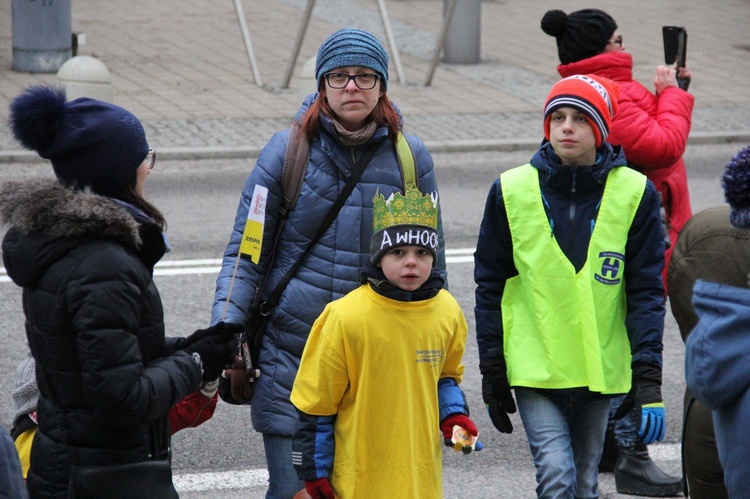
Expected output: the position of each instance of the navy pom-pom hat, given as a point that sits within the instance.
(736, 184)
(351, 47)
(90, 143)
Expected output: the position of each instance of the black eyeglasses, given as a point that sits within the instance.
(364, 81)
(617, 41)
(150, 159)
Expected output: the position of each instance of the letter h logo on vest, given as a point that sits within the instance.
(611, 267)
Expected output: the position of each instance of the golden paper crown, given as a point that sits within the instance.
(413, 208)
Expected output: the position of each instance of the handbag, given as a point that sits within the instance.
(144, 480)
(261, 308)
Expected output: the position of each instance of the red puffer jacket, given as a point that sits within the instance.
(652, 129)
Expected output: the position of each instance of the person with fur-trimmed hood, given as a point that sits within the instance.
(83, 245)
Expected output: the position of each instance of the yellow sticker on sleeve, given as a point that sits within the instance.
(252, 237)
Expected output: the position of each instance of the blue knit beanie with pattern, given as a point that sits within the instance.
(351, 47)
(736, 184)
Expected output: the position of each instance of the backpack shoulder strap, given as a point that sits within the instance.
(296, 157)
(406, 162)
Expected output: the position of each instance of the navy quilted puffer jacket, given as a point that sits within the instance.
(329, 271)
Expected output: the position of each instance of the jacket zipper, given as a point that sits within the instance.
(572, 209)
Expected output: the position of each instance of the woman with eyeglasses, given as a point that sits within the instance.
(652, 129)
(83, 246)
(348, 118)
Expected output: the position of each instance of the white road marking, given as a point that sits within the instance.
(197, 482)
(201, 482)
(212, 266)
(665, 452)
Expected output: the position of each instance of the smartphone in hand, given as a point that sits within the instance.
(675, 50)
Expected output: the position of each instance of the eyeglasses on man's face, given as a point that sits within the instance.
(150, 159)
(364, 81)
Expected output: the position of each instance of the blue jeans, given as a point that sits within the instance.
(625, 430)
(282, 479)
(566, 431)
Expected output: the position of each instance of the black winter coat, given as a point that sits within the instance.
(95, 326)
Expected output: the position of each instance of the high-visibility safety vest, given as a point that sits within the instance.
(564, 329)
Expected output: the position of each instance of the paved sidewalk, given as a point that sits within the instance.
(181, 67)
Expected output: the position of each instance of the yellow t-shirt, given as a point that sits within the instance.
(375, 363)
(23, 446)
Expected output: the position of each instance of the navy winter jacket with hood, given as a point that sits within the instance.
(329, 271)
(571, 198)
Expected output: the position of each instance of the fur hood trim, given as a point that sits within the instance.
(45, 206)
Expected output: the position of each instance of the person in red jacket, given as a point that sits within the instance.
(652, 128)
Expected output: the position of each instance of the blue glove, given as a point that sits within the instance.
(646, 401)
(653, 426)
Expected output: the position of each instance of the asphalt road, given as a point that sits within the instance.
(224, 457)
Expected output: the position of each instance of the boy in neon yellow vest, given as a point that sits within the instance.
(378, 379)
(569, 298)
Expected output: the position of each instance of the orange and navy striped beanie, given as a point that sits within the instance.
(595, 96)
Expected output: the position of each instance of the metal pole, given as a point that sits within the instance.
(248, 44)
(392, 42)
(463, 37)
(297, 44)
(440, 43)
(42, 38)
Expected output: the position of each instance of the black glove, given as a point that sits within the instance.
(646, 389)
(216, 346)
(183, 343)
(220, 328)
(496, 394)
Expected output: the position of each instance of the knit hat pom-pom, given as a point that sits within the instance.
(736, 184)
(36, 115)
(90, 143)
(554, 22)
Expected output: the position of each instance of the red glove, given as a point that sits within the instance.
(320, 488)
(461, 420)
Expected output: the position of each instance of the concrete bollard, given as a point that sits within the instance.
(86, 76)
(462, 38)
(306, 83)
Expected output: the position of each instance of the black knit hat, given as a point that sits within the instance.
(89, 143)
(581, 34)
(736, 184)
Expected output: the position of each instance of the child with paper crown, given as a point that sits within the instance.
(380, 371)
(569, 298)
